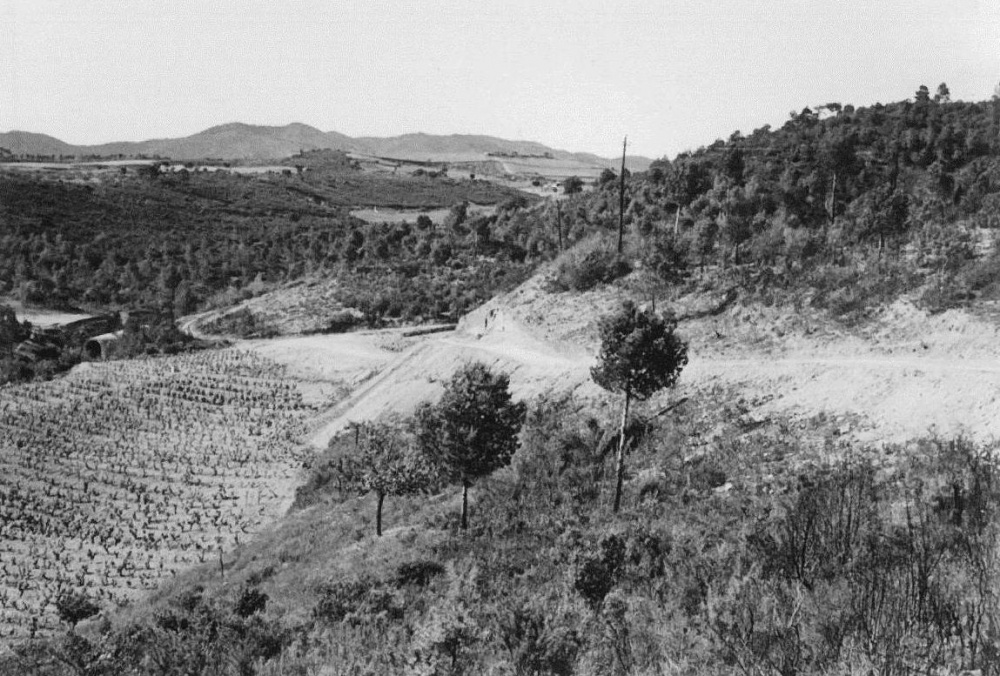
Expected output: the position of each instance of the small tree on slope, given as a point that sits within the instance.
(640, 355)
(472, 431)
(385, 464)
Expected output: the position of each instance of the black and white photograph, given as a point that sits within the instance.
(524, 338)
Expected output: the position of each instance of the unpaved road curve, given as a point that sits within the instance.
(420, 372)
(898, 396)
(190, 325)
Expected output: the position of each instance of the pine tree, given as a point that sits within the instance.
(640, 355)
(472, 431)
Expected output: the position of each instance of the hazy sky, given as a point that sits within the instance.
(576, 75)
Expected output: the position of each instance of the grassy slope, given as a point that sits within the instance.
(706, 477)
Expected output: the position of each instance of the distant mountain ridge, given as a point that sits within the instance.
(239, 141)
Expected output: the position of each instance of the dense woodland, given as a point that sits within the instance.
(843, 208)
(175, 239)
(741, 545)
(847, 207)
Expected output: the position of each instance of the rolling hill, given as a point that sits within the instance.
(28, 143)
(238, 141)
(233, 141)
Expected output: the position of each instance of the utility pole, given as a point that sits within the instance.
(559, 225)
(677, 218)
(621, 200)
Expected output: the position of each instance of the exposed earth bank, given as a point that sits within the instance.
(901, 375)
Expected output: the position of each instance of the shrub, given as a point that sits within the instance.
(539, 643)
(944, 294)
(419, 572)
(242, 323)
(448, 641)
(596, 267)
(704, 474)
(850, 292)
(340, 598)
(667, 257)
(251, 601)
(358, 601)
(343, 320)
(983, 275)
(598, 574)
(572, 184)
(75, 607)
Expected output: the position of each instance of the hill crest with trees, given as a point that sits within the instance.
(844, 205)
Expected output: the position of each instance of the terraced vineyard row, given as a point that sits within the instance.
(119, 474)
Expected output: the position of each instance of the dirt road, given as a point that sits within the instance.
(896, 396)
(913, 375)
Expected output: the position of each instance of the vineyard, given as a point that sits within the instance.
(120, 474)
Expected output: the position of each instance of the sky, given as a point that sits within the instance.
(576, 75)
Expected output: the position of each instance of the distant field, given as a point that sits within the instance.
(383, 181)
(41, 316)
(550, 168)
(387, 215)
(96, 164)
(258, 169)
(506, 170)
(119, 474)
(115, 164)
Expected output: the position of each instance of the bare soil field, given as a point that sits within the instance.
(387, 215)
(61, 166)
(41, 316)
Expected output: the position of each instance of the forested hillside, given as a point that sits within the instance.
(176, 239)
(849, 204)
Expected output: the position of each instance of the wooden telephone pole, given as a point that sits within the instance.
(559, 225)
(621, 200)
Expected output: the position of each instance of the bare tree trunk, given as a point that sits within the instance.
(831, 211)
(378, 515)
(620, 471)
(559, 225)
(621, 201)
(465, 504)
(677, 220)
